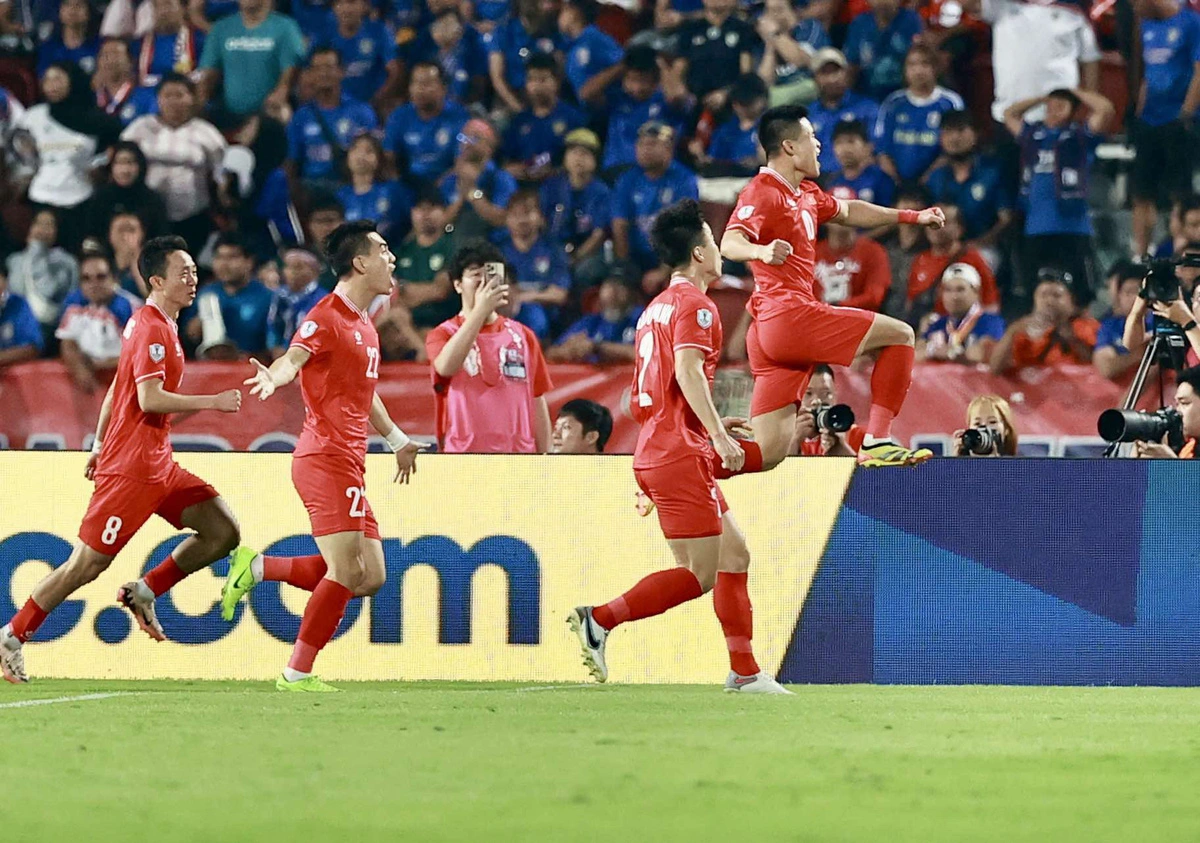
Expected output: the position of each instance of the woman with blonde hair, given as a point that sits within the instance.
(991, 413)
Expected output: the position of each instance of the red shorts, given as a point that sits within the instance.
(120, 505)
(335, 495)
(687, 499)
(784, 347)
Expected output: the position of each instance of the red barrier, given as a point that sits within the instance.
(39, 399)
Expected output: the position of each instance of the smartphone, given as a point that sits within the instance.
(493, 269)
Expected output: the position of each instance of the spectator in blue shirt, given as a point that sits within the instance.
(255, 53)
(367, 50)
(907, 131)
(876, 44)
(577, 207)
(965, 334)
(421, 135)
(294, 298)
(458, 49)
(835, 103)
(369, 196)
(116, 87)
(605, 336)
(1167, 103)
(173, 44)
(655, 182)
(1056, 163)
(1110, 356)
(229, 318)
(592, 57)
(533, 142)
(530, 30)
(74, 40)
(20, 334)
(322, 129)
(733, 149)
(974, 183)
(790, 44)
(94, 316)
(476, 190)
(540, 271)
(857, 168)
(639, 99)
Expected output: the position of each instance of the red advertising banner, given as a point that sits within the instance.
(41, 407)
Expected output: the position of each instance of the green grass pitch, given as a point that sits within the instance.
(237, 761)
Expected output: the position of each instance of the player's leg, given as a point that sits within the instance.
(731, 601)
(248, 567)
(890, 381)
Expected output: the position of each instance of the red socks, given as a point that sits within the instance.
(652, 596)
(164, 577)
(732, 604)
(889, 384)
(300, 571)
(321, 618)
(752, 465)
(26, 621)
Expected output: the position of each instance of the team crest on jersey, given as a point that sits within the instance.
(436, 262)
(977, 192)
(542, 265)
(934, 119)
(704, 318)
(308, 329)
(357, 338)
(745, 211)
(157, 352)
(442, 137)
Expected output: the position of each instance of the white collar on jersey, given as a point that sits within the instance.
(775, 173)
(170, 321)
(679, 279)
(351, 305)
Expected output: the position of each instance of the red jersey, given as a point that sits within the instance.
(138, 444)
(768, 209)
(927, 269)
(338, 381)
(860, 277)
(679, 317)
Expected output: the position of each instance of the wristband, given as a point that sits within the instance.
(1189, 325)
(909, 217)
(96, 443)
(396, 439)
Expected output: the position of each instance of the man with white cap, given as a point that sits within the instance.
(966, 333)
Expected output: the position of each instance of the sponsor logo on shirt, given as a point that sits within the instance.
(249, 44)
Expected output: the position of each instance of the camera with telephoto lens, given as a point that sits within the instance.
(980, 440)
(1138, 426)
(1161, 284)
(835, 418)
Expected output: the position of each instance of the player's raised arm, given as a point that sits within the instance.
(283, 371)
(404, 448)
(693, 383)
(735, 246)
(860, 214)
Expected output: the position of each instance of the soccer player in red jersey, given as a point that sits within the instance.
(335, 352)
(678, 343)
(132, 467)
(774, 228)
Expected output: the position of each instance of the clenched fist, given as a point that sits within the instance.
(776, 253)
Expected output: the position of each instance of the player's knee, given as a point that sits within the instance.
(369, 583)
(906, 334)
(736, 560)
(224, 536)
(87, 568)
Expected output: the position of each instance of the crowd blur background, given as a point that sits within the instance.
(1057, 137)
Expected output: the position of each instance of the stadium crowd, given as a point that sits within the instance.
(557, 129)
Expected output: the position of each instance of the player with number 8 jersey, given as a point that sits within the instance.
(335, 353)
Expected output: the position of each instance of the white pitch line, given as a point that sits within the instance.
(76, 698)
(554, 687)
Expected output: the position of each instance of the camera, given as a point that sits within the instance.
(1160, 283)
(980, 440)
(1138, 426)
(835, 418)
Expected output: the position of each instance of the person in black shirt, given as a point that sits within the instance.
(717, 48)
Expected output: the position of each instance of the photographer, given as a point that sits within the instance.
(1177, 311)
(808, 440)
(991, 430)
(1187, 402)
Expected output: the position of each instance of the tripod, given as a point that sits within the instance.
(1168, 347)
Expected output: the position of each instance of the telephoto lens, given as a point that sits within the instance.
(1136, 426)
(833, 419)
(979, 440)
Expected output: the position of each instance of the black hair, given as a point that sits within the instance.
(322, 50)
(428, 194)
(323, 200)
(957, 119)
(779, 124)
(747, 89)
(1189, 376)
(590, 9)
(852, 129)
(441, 74)
(347, 242)
(592, 417)
(96, 252)
(678, 230)
(475, 252)
(1188, 204)
(642, 59)
(823, 369)
(231, 240)
(542, 61)
(174, 77)
(1126, 270)
(1066, 94)
(155, 252)
(916, 193)
(525, 194)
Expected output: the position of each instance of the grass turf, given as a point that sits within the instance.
(235, 761)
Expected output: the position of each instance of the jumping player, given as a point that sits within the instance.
(774, 228)
(132, 467)
(678, 342)
(335, 352)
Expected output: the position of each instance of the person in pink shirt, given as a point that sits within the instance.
(489, 376)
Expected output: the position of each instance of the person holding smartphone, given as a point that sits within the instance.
(489, 375)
